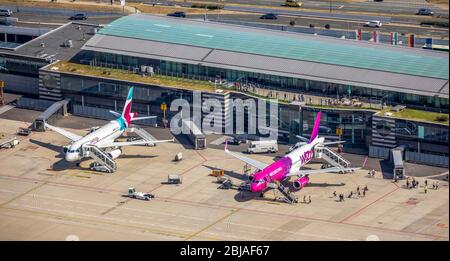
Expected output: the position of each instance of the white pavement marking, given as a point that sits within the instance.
(6, 108)
(219, 141)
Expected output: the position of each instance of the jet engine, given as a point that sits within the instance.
(115, 153)
(301, 182)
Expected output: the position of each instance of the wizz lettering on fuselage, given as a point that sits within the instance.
(307, 156)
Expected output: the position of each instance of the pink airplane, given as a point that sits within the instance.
(289, 165)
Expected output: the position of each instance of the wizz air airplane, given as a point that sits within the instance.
(104, 137)
(289, 165)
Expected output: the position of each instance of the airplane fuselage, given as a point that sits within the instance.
(279, 170)
(106, 133)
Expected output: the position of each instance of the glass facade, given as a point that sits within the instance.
(195, 71)
(356, 125)
(19, 66)
(292, 119)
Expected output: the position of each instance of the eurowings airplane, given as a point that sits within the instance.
(104, 137)
(289, 165)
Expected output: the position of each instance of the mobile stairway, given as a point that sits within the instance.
(288, 196)
(331, 157)
(100, 157)
(145, 135)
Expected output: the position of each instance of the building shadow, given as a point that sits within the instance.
(387, 168)
(184, 141)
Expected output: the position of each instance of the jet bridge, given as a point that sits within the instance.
(59, 107)
(397, 159)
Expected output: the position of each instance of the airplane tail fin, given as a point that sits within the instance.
(315, 131)
(127, 115)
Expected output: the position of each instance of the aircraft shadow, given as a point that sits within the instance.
(62, 164)
(139, 156)
(243, 196)
(49, 146)
(228, 173)
(326, 184)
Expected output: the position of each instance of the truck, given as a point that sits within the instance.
(262, 146)
(132, 193)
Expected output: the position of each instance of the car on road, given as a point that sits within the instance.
(270, 16)
(374, 23)
(178, 14)
(5, 12)
(293, 3)
(424, 11)
(79, 16)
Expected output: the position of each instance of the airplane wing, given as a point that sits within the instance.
(316, 171)
(143, 118)
(257, 164)
(130, 143)
(71, 136)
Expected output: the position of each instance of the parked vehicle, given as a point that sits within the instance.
(263, 146)
(424, 11)
(269, 16)
(374, 23)
(177, 14)
(79, 16)
(5, 12)
(235, 140)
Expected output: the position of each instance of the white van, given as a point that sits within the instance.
(5, 12)
(263, 146)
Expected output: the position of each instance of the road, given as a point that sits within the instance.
(334, 24)
(28, 19)
(387, 6)
(48, 20)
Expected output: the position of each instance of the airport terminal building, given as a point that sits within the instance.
(276, 60)
(303, 72)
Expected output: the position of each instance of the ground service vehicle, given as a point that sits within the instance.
(263, 146)
(132, 193)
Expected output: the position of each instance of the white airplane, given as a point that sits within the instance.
(104, 137)
(289, 165)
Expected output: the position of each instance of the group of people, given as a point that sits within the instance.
(359, 192)
(415, 184)
(306, 201)
(371, 173)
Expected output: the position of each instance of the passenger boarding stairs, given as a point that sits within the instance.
(144, 135)
(100, 156)
(332, 157)
(288, 196)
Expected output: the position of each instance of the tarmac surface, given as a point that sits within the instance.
(42, 197)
